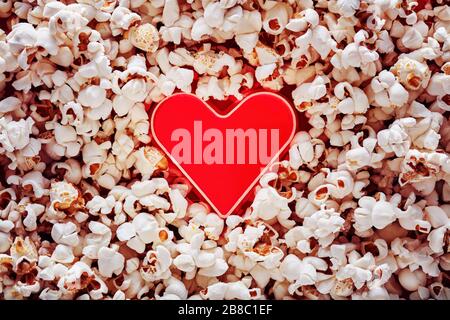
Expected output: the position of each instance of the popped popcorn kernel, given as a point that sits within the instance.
(358, 208)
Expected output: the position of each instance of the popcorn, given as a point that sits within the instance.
(375, 213)
(305, 18)
(396, 139)
(145, 37)
(210, 262)
(92, 96)
(80, 277)
(65, 233)
(99, 237)
(201, 219)
(301, 272)
(387, 91)
(9, 104)
(411, 281)
(304, 94)
(229, 291)
(353, 100)
(439, 82)
(64, 197)
(149, 159)
(423, 167)
(411, 73)
(66, 139)
(214, 14)
(436, 239)
(156, 265)
(122, 19)
(358, 269)
(268, 204)
(15, 135)
(361, 156)
(109, 262)
(91, 209)
(175, 290)
(347, 8)
(356, 54)
(324, 224)
(32, 212)
(62, 254)
(276, 18)
(138, 233)
(408, 254)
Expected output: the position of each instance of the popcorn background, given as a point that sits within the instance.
(90, 209)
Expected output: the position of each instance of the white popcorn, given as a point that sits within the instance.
(387, 91)
(375, 213)
(156, 264)
(109, 262)
(122, 19)
(202, 220)
(148, 159)
(63, 254)
(305, 151)
(65, 233)
(214, 14)
(15, 135)
(229, 291)
(413, 219)
(356, 210)
(353, 100)
(396, 139)
(141, 231)
(175, 290)
(411, 73)
(358, 269)
(21, 37)
(439, 82)
(304, 94)
(276, 18)
(436, 239)
(411, 280)
(268, 204)
(298, 237)
(92, 96)
(324, 224)
(301, 272)
(68, 143)
(210, 261)
(145, 37)
(33, 211)
(9, 104)
(72, 281)
(347, 8)
(422, 167)
(200, 29)
(436, 216)
(361, 156)
(356, 55)
(413, 257)
(63, 197)
(303, 20)
(99, 238)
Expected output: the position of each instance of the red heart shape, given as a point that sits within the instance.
(223, 155)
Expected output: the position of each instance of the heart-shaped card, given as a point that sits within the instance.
(223, 155)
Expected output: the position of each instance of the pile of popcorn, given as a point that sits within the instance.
(91, 209)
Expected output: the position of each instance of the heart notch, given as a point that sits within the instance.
(223, 155)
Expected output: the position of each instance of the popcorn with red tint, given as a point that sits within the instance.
(91, 208)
